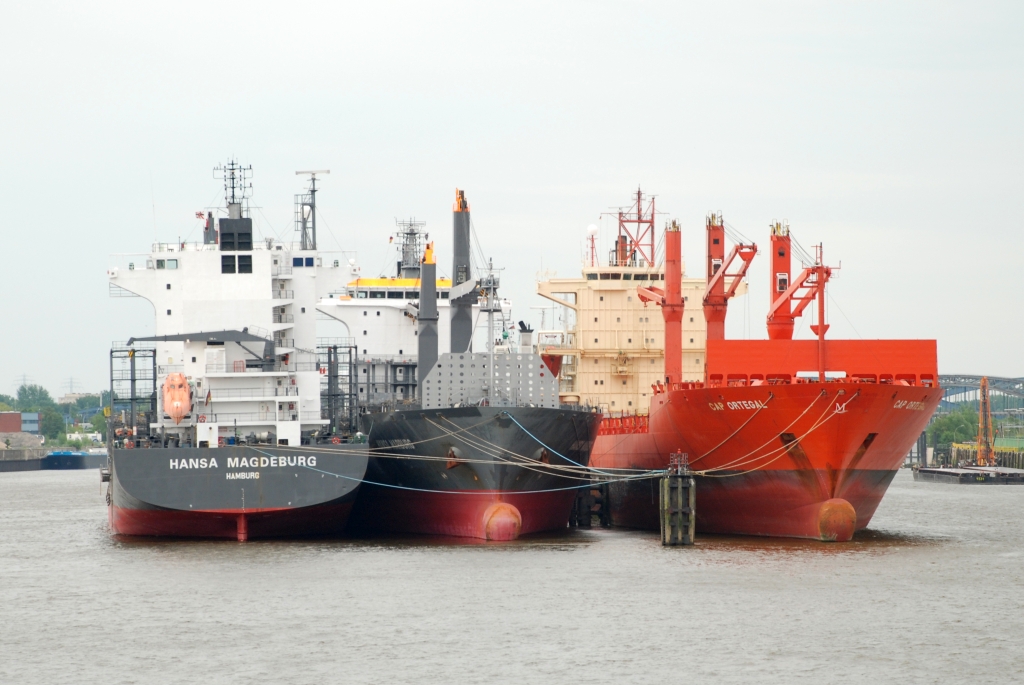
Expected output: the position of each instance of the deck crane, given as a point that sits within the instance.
(717, 295)
(790, 298)
(986, 456)
(670, 300)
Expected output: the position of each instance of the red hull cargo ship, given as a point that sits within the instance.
(794, 438)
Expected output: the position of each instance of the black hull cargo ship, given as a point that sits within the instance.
(234, 492)
(485, 472)
(215, 426)
(489, 453)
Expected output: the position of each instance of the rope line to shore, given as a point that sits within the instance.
(576, 465)
(783, 450)
(550, 449)
(650, 474)
(375, 452)
(496, 452)
(778, 451)
(770, 440)
(750, 418)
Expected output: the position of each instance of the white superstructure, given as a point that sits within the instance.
(267, 290)
(380, 314)
(380, 317)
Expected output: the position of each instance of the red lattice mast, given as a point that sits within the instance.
(635, 244)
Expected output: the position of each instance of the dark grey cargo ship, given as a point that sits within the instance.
(234, 492)
(476, 471)
(215, 426)
(489, 453)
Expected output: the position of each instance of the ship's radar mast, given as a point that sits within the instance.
(305, 211)
(592, 246)
(634, 245)
(411, 238)
(236, 190)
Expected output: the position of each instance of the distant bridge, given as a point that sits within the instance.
(959, 388)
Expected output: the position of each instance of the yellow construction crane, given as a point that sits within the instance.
(986, 455)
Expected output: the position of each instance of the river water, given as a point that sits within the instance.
(933, 593)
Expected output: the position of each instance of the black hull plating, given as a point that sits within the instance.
(446, 471)
(234, 491)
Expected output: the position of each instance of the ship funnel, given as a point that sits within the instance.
(209, 232)
(525, 338)
(462, 305)
(427, 318)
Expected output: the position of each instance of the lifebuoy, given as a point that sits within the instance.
(336, 440)
(220, 442)
(202, 418)
(129, 445)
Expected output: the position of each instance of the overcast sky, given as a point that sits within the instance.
(891, 132)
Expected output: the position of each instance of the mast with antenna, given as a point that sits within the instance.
(634, 245)
(411, 237)
(305, 210)
(489, 287)
(591, 247)
(236, 190)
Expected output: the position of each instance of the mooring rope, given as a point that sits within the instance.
(769, 441)
(783, 450)
(650, 474)
(494, 446)
(526, 463)
(750, 418)
(551, 449)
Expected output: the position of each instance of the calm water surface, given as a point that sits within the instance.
(934, 592)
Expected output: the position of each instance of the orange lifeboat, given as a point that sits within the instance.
(177, 397)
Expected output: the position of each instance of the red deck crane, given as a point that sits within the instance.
(716, 298)
(790, 299)
(671, 301)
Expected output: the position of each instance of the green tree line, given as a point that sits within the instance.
(53, 417)
(960, 425)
